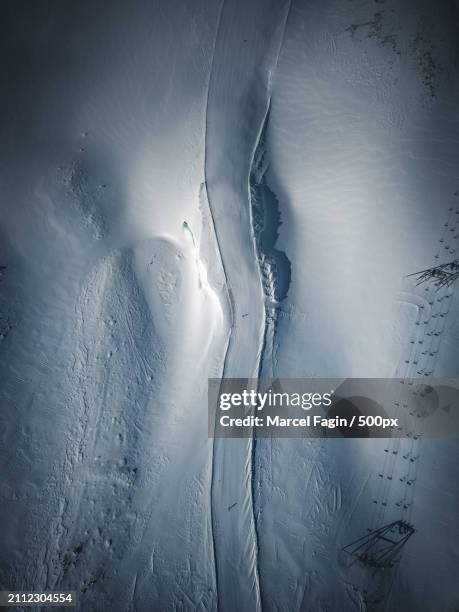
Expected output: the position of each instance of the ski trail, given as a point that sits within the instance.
(234, 536)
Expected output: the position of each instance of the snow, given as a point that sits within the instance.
(144, 147)
(363, 198)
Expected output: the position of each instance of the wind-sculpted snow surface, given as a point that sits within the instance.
(204, 189)
(363, 158)
(113, 305)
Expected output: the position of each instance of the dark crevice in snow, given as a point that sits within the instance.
(274, 265)
(275, 275)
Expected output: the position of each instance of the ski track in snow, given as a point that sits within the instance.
(133, 267)
(225, 599)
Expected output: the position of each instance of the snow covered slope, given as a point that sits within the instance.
(111, 302)
(192, 189)
(363, 149)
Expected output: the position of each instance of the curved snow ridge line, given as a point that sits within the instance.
(216, 310)
(253, 171)
(229, 300)
(269, 323)
(261, 353)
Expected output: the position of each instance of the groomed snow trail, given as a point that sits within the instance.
(246, 52)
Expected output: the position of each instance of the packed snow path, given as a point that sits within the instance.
(131, 271)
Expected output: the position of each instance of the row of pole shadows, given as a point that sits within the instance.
(381, 547)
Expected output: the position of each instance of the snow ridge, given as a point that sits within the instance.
(275, 272)
(205, 194)
(274, 268)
